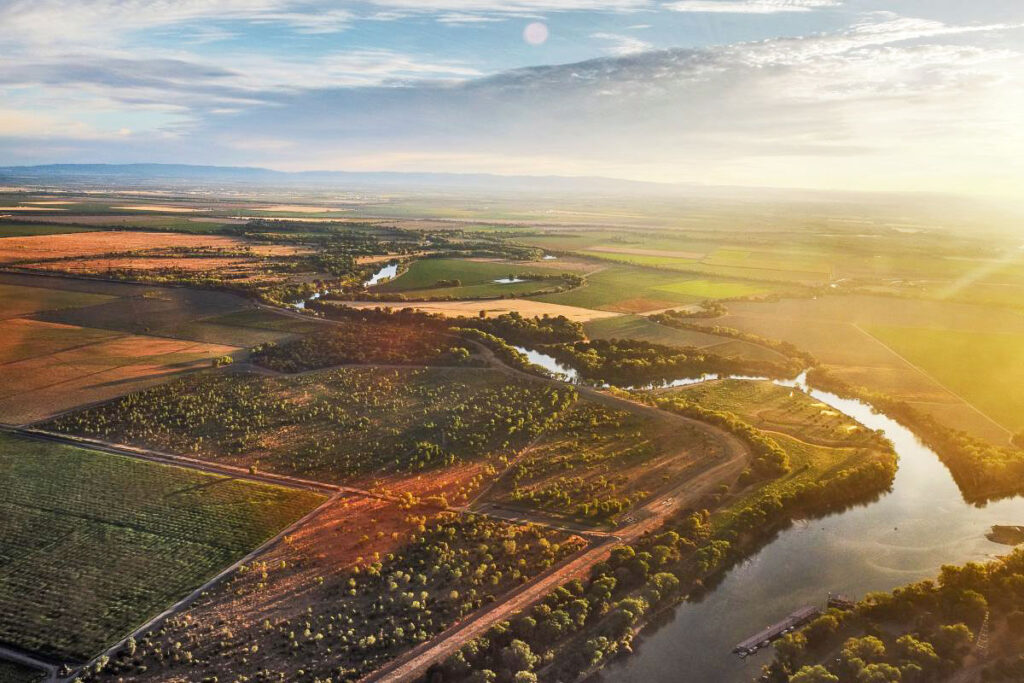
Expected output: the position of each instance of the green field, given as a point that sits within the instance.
(17, 300)
(645, 329)
(477, 278)
(16, 673)
(712, 289)
(33, 229)
(93, 544)
(633, 290)
(985, 368)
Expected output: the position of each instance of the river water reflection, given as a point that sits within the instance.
(906, 536)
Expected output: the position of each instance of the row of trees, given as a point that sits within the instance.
(628, 362)
(982, 470)
(683, 320)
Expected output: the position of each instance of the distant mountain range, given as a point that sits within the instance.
(149, 174)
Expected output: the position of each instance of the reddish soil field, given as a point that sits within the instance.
(84, 244)
(40, 387)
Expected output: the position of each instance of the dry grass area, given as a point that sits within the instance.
(85, 244)
(300, 208)
(834, 329)
(22, 338)
(639, 305)
(668, 253)
(491, 308)
(562, 265)
(43, 386)
(161, 208)
(228, 266)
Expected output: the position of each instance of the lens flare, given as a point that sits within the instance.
(535, 33)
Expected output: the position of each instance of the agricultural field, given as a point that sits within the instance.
(490, 309)
(37, 249)
(73, 222)
(836, 330)
(358, 425)
(364, 582)
(17, 673)
(645, 329)
(436, 278)
(94, 543)
(18, 300)
(594, 463)
(626, 289)
(985, 368)
(65, 343)
(29, 229)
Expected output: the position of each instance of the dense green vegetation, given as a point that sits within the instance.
(367, 614)
(334, 425)
(625, 362)
(95, 543)
(445, 278)
(922, 632)
(981, 470)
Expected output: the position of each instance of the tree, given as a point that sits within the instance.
(879, 672)
(518, 656)
(952, 641)
(821, 629)
(525, 677)
(814, 674)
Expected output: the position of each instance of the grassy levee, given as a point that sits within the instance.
(982, 471)
(94, 543)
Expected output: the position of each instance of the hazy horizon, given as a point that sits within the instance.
(906, 96)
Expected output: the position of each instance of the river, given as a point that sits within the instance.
(385, 273)
(905, 536)
(549, 363)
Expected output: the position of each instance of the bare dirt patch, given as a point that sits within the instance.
(472, 308)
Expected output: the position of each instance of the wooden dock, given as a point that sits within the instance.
(766, 636)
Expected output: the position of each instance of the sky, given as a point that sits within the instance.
(907, 95)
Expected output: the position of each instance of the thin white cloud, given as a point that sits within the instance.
(621, 44)
(749, 6)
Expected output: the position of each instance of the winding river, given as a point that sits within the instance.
(385, 273)
(905, 536)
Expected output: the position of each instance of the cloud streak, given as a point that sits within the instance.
(749, 6)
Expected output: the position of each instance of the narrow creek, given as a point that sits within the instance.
(905, 536)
